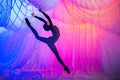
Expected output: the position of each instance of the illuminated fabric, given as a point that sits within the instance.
(89, 41)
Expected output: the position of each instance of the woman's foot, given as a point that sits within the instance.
(67, 69)
(27, 21)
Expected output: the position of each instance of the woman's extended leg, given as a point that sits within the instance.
(35, 32)
(32, 29)
(54, 50)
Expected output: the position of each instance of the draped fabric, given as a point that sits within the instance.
(88, 43)
(5, 10)
(46, 6)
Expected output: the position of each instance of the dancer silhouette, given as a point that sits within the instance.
(51, 40)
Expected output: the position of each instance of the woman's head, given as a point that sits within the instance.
(46, 27)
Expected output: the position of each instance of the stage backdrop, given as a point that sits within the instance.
(89, 36)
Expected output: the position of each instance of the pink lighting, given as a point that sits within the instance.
(89, 40)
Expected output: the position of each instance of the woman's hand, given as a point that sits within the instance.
(33, 14)
(40, 10)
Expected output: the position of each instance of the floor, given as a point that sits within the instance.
(48, 75)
